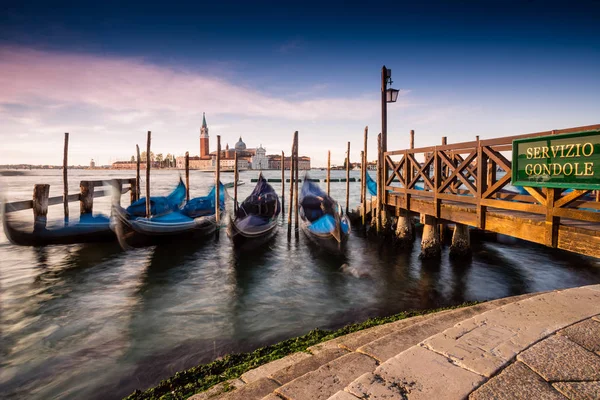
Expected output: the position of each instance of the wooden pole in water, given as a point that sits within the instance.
(65, 180)
(379, 188)
(348, 178)
(187, 176)
(148, 141)
(362, 192)
(328, 171)
(364, 176)
(297, 168)
(137, 175)
(217, 180)
(291, 187)
(40, 206)
(283, 183)
(235, 179)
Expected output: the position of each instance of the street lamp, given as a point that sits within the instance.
(391, 95)
(387, 96)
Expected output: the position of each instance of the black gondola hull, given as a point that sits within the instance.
(248, 239)
(131, 235)
(72, 234)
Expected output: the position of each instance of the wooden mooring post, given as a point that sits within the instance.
(41, 192)
(379, 204)
(291, 210)
(328, 171)
(235, 183)
(86, 197)
(364, 176)
(297, 168)
(217, 182)
(283, 184)
(348, 178)
(148, 162)
(138, 187)
(65, 179)
(187, 176)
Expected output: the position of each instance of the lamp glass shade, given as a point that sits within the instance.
(391, 95)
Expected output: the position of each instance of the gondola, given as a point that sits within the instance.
(89, 229)
(255, 220)
(321, 219)
(195, 220)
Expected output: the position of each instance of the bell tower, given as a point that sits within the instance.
(204, 147)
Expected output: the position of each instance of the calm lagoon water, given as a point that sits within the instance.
(94, 322)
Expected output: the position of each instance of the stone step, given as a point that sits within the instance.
(452, 363)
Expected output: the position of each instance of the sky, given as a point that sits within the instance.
(108, 72)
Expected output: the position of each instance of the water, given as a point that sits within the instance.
(91, 321)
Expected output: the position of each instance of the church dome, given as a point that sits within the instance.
(240, 145)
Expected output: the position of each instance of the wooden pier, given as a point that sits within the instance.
(464, 183)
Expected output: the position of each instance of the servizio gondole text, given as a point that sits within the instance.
(563, 151)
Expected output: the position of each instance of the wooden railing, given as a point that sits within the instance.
(475, 175)
(41, 200)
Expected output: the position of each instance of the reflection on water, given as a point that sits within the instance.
(92, 321)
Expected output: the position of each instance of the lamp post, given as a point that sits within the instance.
(387, 96)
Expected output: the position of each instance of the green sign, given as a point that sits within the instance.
(558, 161)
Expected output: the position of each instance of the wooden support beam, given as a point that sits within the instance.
(552, 221)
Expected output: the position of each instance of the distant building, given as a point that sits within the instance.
(92, 164)
(274, 161)
(133, 165)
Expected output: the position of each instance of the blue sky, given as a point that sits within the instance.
(109, 72)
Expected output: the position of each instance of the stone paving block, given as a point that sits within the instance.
(516, 381)
(251, 391)
(306, 365)
(328, 379)
(218, 389)
(417, 373)
(579, 390)
(396, 342)
(373, 386)
(357, 339)
(270, 368)
(585, 334)
(485, 343)
(559, 359)
(341, 395)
